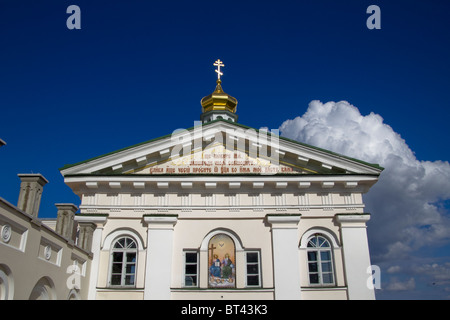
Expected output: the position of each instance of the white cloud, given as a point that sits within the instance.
(397, 285)
(404, 204)
(439, 273)
(394, 269)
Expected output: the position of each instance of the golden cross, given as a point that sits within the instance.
(219, 64)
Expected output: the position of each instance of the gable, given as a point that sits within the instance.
(221, 147)
(217, 159)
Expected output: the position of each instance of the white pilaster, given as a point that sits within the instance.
(285, 256)
(99, 223)
(159, 257)
(356, 255)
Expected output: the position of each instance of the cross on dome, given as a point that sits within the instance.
(218, 64)
(218, 105)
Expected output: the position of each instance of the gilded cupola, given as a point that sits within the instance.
(218, 105)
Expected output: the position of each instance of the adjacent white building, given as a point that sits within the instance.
(40, 260)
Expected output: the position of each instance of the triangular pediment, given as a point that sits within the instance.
(221, 147)
(217, 159)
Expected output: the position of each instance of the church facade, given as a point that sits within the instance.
(224, 211)
(216, 211)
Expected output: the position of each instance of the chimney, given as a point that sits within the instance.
(85, 235)
(65, 218)
(30, 192)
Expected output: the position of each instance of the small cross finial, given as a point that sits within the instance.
(219, 64)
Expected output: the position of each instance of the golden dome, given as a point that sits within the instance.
(219, 101)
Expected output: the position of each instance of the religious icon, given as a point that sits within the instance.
(222, 268)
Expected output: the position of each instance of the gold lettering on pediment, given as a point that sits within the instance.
(219, 160)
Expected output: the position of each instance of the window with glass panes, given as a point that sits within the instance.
(253, 269)
(191, 269)
(123, 262)
(320, 261)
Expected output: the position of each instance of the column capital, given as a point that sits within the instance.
(283, 221)
(66, 206)
(97, 220)
(161, 221)
(347, 220)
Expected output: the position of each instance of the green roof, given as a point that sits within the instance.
(376, 166)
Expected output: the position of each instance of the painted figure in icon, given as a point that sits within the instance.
(215, 269)
(227, 268)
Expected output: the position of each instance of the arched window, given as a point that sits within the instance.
(74, 294)
(320, 261)
(6, 283)
(43, 290)
(221, 262)
(123, 262)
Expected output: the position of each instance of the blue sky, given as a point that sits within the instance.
(137, 70)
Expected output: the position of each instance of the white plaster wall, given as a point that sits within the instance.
(253, 233)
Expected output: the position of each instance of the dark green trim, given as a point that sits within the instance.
(220, 174)
(92, 215)
(352, 214)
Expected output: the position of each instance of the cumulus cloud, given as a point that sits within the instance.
(406, 204)
(439, 273)
(397, 285)
(394, 269)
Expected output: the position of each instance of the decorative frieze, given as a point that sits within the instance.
(138, 199)
(210, 199)
(303, 201)
(233, 199)
(327, 201)
(196, 198)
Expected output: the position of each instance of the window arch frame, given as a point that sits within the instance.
(228, 232)
(114, 235)
(126, 250)
(329, 235)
